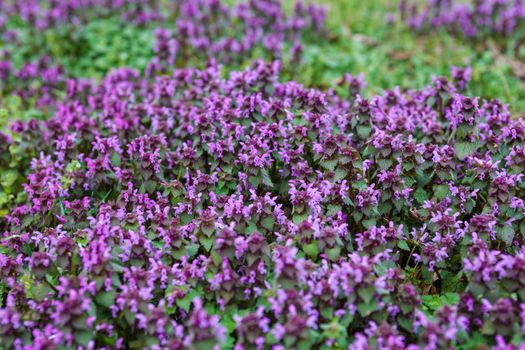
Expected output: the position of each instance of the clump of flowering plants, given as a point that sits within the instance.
(199, 210)
(43, 45)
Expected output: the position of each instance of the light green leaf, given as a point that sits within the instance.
(506, 234)
(268, 222)
(105, 298)
(420, 195)
(441, 191)
(365, 309)
(403, 245)
(465, 149)
(206, 242)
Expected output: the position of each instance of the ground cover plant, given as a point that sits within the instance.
(202, 199)
(301, 218)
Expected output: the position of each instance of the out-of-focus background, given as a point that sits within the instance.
(373, 37)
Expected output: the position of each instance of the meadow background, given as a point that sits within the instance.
(364, 37)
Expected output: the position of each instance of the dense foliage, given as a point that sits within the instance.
(192, 209)
(201, 199)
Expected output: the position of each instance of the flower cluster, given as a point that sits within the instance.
(198, 209)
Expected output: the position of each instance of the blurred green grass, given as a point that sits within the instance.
(390, 54)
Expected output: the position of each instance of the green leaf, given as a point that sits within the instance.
(329, 164)
(255, 181)
(451, 298)
(205, 344)
(268, 222)
(365, 309)
(369, 223)
(216, 257)
(465, 149)
(435, 302)
(115, 159)
(451, 282)
(228, 322)
(422, 178)
(384, 163)
(363, 131)
(206, 242)
(332, 330)
(251, 228)
(506, 234)
(340, 174)
(266, 179)
(333, 253)
(408, 166)
(432, 302)
(8, 178)
(185, 302)
(105, 298)
(367, 294)
(405, 323)
(40, 291)
(327, 312)
(311, 249)
(83, 337)
(299, 218)
(150, 186)
(208, 231)
(403, 245)
(192, 249)
(360, 185)
(130, 316)
(332, 209)
(420, 195)
(441, 191)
